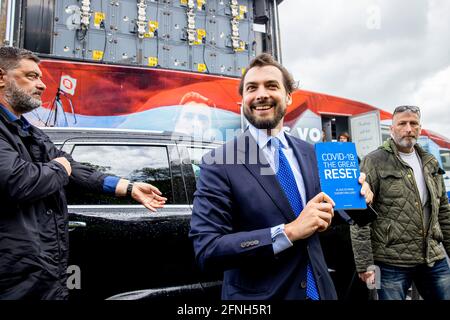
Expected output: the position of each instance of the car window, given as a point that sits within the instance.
(195, 155)
(445, 157)
(136, 163)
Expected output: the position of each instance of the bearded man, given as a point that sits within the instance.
(33, 174)
(258, 206)
(405, 241)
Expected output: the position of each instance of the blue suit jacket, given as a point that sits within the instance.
(236, 203)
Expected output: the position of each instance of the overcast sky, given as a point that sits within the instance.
(381, 52)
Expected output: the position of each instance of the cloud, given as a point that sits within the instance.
(379, 52)
(433, 96)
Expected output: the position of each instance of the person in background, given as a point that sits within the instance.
(344, 137)
(409, 238)
(324, 136)
(33, 173)
(195, 118)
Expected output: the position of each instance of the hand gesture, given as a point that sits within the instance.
(316, 216)
(365, 189)
(148, 195)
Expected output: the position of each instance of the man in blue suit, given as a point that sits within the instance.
(258, 205)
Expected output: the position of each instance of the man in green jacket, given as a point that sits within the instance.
(408, 239)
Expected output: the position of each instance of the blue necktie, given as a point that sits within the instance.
(287, 181)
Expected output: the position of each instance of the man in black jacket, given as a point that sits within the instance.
(33, 174)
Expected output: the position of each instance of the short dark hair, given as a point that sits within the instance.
(265, 59)
(10, 57)
(345, 134)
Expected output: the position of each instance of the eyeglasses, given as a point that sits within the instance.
(407, 108)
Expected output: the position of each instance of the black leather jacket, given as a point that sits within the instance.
(33, 212)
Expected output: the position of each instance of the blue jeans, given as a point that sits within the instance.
(433, 283)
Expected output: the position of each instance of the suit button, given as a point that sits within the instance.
(244, 244)
(256, 242)
(49, 211)
(303, 284)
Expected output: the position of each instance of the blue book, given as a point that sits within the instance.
(339, 172)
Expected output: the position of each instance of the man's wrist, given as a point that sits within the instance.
(121, 188)
(288, 232)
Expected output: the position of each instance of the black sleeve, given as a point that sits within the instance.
(22, 181)
(83, 177)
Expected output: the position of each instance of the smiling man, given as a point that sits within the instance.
(414, 216)
(33, 174)
(258, 205)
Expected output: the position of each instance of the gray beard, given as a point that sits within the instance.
(404, 143)
(19, 100)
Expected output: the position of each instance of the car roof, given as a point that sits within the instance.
(62, 135)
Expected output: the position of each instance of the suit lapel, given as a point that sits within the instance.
(307, 166)
(251, 156)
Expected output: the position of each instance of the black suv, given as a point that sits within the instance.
(124, 251)
(121, 247)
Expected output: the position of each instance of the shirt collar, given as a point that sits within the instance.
(262, 138)
(13, 118)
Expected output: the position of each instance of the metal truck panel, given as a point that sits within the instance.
(165, 34)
